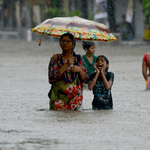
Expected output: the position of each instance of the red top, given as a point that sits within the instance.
(145, 59)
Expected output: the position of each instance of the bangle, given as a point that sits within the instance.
(94, 80)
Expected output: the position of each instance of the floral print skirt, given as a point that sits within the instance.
(66, 96)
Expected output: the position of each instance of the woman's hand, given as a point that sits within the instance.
(70, 61)
(78, 69)
(75, 68)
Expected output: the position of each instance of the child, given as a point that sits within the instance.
(89, 57)
(101, 82)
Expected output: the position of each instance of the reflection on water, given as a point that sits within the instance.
(26, 122)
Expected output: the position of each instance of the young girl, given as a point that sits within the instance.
(89, 57)
(101, 82)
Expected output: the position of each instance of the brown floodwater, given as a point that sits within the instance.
(27, 124)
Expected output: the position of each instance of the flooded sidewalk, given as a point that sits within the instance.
(26, 122)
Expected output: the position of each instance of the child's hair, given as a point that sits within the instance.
(87, 44)
(106, 59)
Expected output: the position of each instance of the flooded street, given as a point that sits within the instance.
(27, 124)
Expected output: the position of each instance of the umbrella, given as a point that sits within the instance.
(82, 29)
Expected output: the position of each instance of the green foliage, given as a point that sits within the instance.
(56, 12)
(53, 12)
(91, 16)
(55, 3)
(75, 13)
(146, 10)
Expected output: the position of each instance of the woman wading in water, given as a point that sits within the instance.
(67, 73)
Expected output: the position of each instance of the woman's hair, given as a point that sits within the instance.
(71, 38)
(106, 59)
(87, 44)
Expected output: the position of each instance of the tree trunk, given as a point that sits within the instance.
(84, 13)
(111, 15)
(13, 15)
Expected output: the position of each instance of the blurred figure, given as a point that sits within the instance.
(146, 69)
(146, 65)
(126, 29)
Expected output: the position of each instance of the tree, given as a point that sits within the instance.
(10, 5)
(55, 11)
(146, 10)
(111, 15)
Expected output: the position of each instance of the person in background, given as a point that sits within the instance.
(67, 73)
(101, 83)
(89, 57)
(126, 29)
(146, 66)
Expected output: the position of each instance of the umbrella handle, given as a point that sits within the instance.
(40, 40)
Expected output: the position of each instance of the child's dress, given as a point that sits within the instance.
(102, 96)
(89, 66)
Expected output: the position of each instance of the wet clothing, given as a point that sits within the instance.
(148, 64)
(102, 96)
(89, 66)
(66, 91)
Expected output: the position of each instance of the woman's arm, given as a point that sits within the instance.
(55, 72)
(78, 69)
(81, 69)
(144, 70)
(64, 68)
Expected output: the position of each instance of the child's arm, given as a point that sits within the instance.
(108, 84)
(92, 83)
